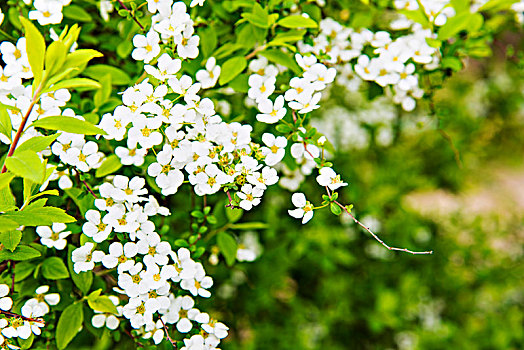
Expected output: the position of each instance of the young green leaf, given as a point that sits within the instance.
(5, 179)
(68, 124)
(84, 83)
(22, 252)
(5, 122)
(10, 239)
(54, 268)
(231, 68)
(228, 246)
(26, 164)
(33, 215)
(69, 324)
(35, 46)
(102, 303)
(297, 21)
(55, 57)
(108, 166)
(118, 76)
(80, 57)
(37, 143)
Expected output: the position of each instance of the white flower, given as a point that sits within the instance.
(5, 302)
(53, 237)
(250, 196)
(218, 329)
(95, 227)
(155, 330)
(121, 255)
(275, 149)
(181, 311)
(208, 77)
(84, 257)
(155, 250)
(167, 67)
(131, 156)
(271, 112)
(42, 299)
(146, 47)
(304, 209)
(168, 178)
(17, 328)
(249, 247)
(199, 283)
(329, 178)
(197, 2)
(128, 190)
(305, 103)
(260, 87)
(47, 12)
(187, 43)
(133, 282)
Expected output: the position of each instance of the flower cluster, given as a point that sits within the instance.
(147, 266)
(16, 326)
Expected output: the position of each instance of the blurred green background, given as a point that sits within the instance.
(452, 183)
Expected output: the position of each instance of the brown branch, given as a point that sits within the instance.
(255, 51)
(13, 315)
(13, 264)
(167, 334)
(231, 205)
(377, 238)
(89, 189)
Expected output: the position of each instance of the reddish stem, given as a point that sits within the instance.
(18, 134)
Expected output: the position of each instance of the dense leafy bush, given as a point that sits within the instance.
(139, 139)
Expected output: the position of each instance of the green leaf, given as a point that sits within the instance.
(103, 94)
(23, 270)
(10, 239)
(54, 268)
(249, 226)
(68, 124)
(226, 50)
(35, 46)
(22, 252)
(69, 324)
(281, 58)
(80, 57)
(26, 343)
(82, 280)
(74, 83)
(55, 57)
(118, 76)
(233, 214)
(231, 68)
(335, 209)
(5, 179)
(76, 13)
(228, 246)
(470, 22)
(33, 215)
(26, 164)
(258, 16)
(208, 41)
(5, 122)
(297, 21)
(37, 143)
(108, 166)
(102, 303)
(497, 5)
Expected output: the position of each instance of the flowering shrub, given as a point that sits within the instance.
(138, 133)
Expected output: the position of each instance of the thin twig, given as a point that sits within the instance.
(255, 51)
(89, 188)
(13, 264)
(12, 314)
(231, 205)
(456, 152)
(167, 334)
(377, 238)
(132, 15)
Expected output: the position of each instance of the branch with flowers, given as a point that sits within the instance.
(223, 102)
